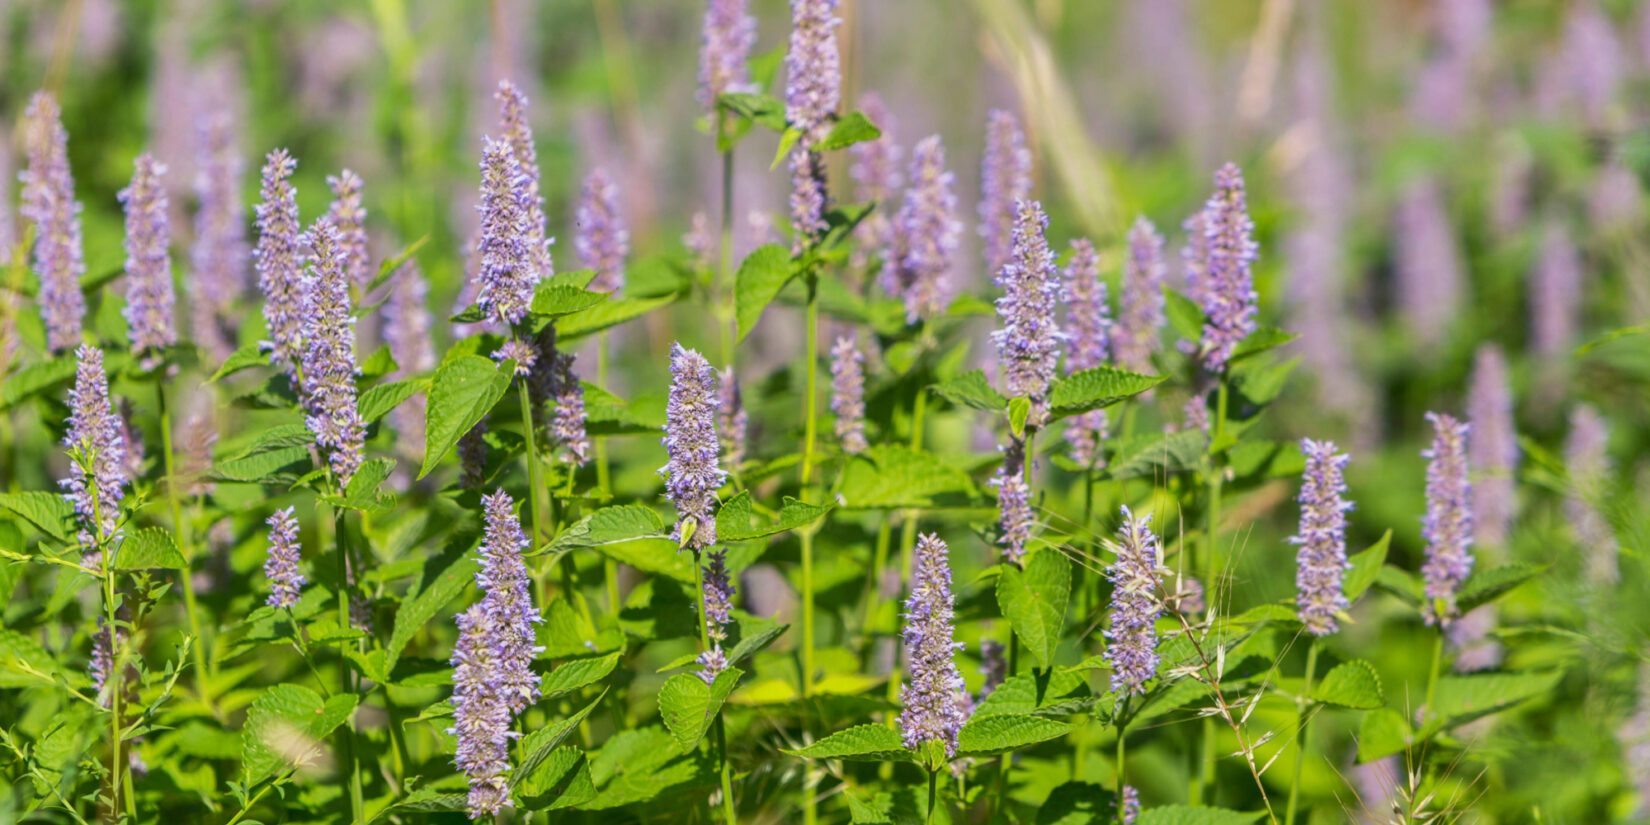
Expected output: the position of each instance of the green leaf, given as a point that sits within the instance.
(1079, 803)
(50, 512)
(1019, 409)
(1092, 389)
(850, 129)
(1259, 341)
(1353, 684)
(787, 142)
(17, 650)
(33, 379)
(1154, 453)
(1034, 601)
(263, 466)
(972, 389)
(377, 365)
(577, 674)
(1382, 732)
(605, 315)
(611, 525)
(443, 578)
(362, 493)
(1184, 315)
(1195, 815)
(247, 357)
(541, 743)
(688, 705)
(561, 780)
(1485, 586)
(149, 548)
(1060, 692)
(553, 300)
(1365, 567)
(761, 276)
(760, 108)
(378, 400)
(391, 264)
(733, 520)
(862, 743)
(285, 726)
(891, 476)
(1262, 381)
(1000, 734)
(464, 389)
(424, 800)
(1462, 699)
(755, 633)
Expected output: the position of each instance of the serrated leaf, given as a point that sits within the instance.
(733, 520)
(149, 548)
(972, 389)
(51, 513)
(611, 525)
(362, 493)
(443, 578)
(378, 364)
(1353, 684)
(1485, 586)
(1461, 699)
(538, 745)
(286, 725)
(1079, 803)
(577, 674)
(424, 800)
(605, 315)
(1382, 732)
(1152, 454)
(1366, 565)
(755, 633)
(850, 129)
(1034, 601)
(1262, 381)
(761, 276)
(247, 357)
(34, 379)
(1092, 389)
(891, 476)
(1029, 694)
(760, 108)
(553, 300)
(1195, 815)
(378, 400)
(1184, 315)
(1000, 734)
(262, 467)
(1019, 409)
(1259, 341)
(562, 780)
(688, 705)
(862, 743)
(464, 389)
(17, 650)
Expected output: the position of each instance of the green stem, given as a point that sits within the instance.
(873, 595)
(1301, 703)
(341, 535)
(809, 433)
(117, 669)
(1121, 783)
(933, 793)
(729, 813)
(907, 544)
(532, 467)
(185, 575)
(725, 270)
(604, 482)
(1432, 675)
(1206, 776)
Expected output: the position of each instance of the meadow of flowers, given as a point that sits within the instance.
(1158, 411)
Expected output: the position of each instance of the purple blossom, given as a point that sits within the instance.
(1088, 325)
(348, 215)
(1447, 527)
(95, 446)
(808, 199)
(1005, 180)
(1136, 577)
(1028, 340)
(930, 712)
(693, 475)
(149, 296)
(472, 457)
(926, 232)
(718, 597)
(1492, 447)
(1427, 263)
(219, 253)
(1229, 289)
(518, 133)
(993, 666)
(406, 331)
(1194, 256)
(329, 356)
(848, 395)
(813, 71)
(278, 260)
(1015, 513)
(732, 420)
(1555, 292)
(1586, 455)
(102, 665)
(48, 202)
(602, 240)
(132, 437)
(521, 351)
(1131, 805)
(560, 386)
(726, 39)
(875, 171)
(711, 663)
(1140, 314)
(1321, 560)
(286, 581)
(508, 273)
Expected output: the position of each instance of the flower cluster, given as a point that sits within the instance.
(509, 271)
(279, 260)
(553, 381)
(286, 581)
(875, 172)
(1028, 340)
(808, 198)
(726, 39)
(929, 697)
(406, 331)
(1137, 580)
(1088, 328)
(1447, 527)
(1228, 287)
(732, 419)
(848, 395)
(518, 133)
(218, 255)
(693, 474)
(1014, 501)
(926, 232)
(1320, 563)
(97, 448)
(329, 356)
(149, 296)
(348, 215)
(1005, 180)
(813, 69)
(602, 240)
(1492, 447)
(48, 202)
(1586, 455)
(1140, 315)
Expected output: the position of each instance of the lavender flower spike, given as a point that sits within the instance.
(693, 475)
(813, 69)
(718, 597)
(218, 254)
(808, 199)
(278, 258)
(97, 449)
(1005, 180)
(602, 241)
(48, 202)
(1137, 580)
(1028, 342)
(1586, 454)
(567, 422)
(930, 712)
(877, 178)
(926, 234)
(732, 419)
(347, 214)
(1447, 527)
(508, 273)
(848, 395)
(286, 581)
(1492, 447)
(1140, 315)
(1321, 561)
(512, 121)
(728, 34)
(1229, 300)
(406, 331)
(149, 296)
(329, 356)
(1088, 324)
(1014, 501)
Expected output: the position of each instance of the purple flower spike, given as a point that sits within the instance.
(286, 581)
(693, 475)
(1088, 325)
(1321, 560)
(931, 713)
(1014, 501)
(926, 233)
(1005, 180)
(406, 331)
(1131, 805)
(993, 666)
(567, 421)
(102, 663)
(808, 199)
(329, 356)
(1028, 342)
(718, 597)
(48, 202)
(1586, 454)
(728, 34)
(1492, 447)
(876, 174)
(348, 215)
(278, 260)
(732, 420)
(508, 272)
(1556, 288)
(149, 296)
(521, 351)
(711, 663)
(219, 253)
(1427, 263)
(512, 122)
(97, 449)
(1229, 295)
(1137, 581)
(1447, 527)
(848, 395)
(1140, 314)
(602, 241)
(472, 457)
(813, 70)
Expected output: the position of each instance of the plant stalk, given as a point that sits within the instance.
(185, 573)
(1301, 703)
